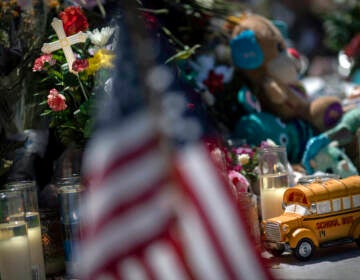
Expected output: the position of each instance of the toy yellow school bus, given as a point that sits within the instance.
(319, 214)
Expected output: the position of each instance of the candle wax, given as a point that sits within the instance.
(272, 188)
(35, 244)
(14, 252)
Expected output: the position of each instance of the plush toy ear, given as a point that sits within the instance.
(248, 100)
(246, 51)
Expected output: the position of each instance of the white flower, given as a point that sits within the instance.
(243, 159)
(101, 38)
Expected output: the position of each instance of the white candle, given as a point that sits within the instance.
(35, 244)
(14, 252)
(272, 187)
(271, 202)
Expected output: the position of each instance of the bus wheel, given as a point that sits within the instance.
(276, 252)
(304, 249)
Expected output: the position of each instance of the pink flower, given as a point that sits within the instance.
(56, 100)
(238, 181)
(40, 62)
(245, 150)
(80, 65)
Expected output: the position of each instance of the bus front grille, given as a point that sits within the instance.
(273, 232)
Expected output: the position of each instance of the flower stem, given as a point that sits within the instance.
(82, 88)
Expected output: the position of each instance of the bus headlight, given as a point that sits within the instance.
(285, 228)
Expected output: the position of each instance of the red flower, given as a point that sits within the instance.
(40, 62)
(151, 22)
(73, 20)
(214, 82)
(80, 65)
(56, 100)
(353, 48)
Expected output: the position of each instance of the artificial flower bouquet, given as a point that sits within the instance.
(67, 87)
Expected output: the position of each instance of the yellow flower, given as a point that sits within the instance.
(103, 58)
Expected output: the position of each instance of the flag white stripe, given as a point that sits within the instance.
(223, 218)
(109, 144)
(132, 269)
(122, 186)
(200, 252)
(148, 219)
(105, 277)
(164, 262)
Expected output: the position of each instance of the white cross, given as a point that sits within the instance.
(64, 42)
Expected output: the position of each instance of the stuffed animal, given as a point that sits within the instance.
(270, 70)
(343, 133)
(258, 126)
(331, 159)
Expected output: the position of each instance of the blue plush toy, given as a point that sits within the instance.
(343, 133)
(259, 126)
(331, 159)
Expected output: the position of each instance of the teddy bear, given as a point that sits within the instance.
(271, 71)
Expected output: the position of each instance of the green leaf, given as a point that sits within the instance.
(68, 126)
(58, 57)
(184, 54)
(52, 37)
(44, 79)
(88, 128)
(45, 113)
(70, 79)
(56, 74)
(43, 102)
(86, 107)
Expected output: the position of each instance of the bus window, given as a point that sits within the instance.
(297, 209)
(323, 207)
(346, 203)
(356, 200)
(336, 204)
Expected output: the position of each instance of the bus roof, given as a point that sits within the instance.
(318, 191)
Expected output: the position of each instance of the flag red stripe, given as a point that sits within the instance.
(119, 162)
(134, 251)
(179, 251)
(121, 209)
(147, 267)
(240, 215)
(186, 185)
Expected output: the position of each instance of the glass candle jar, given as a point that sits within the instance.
(273, 179)
(32, 218)
(70, 197)
(52, 239)
(14, 244)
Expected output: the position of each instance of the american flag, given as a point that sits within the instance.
(153, 211)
